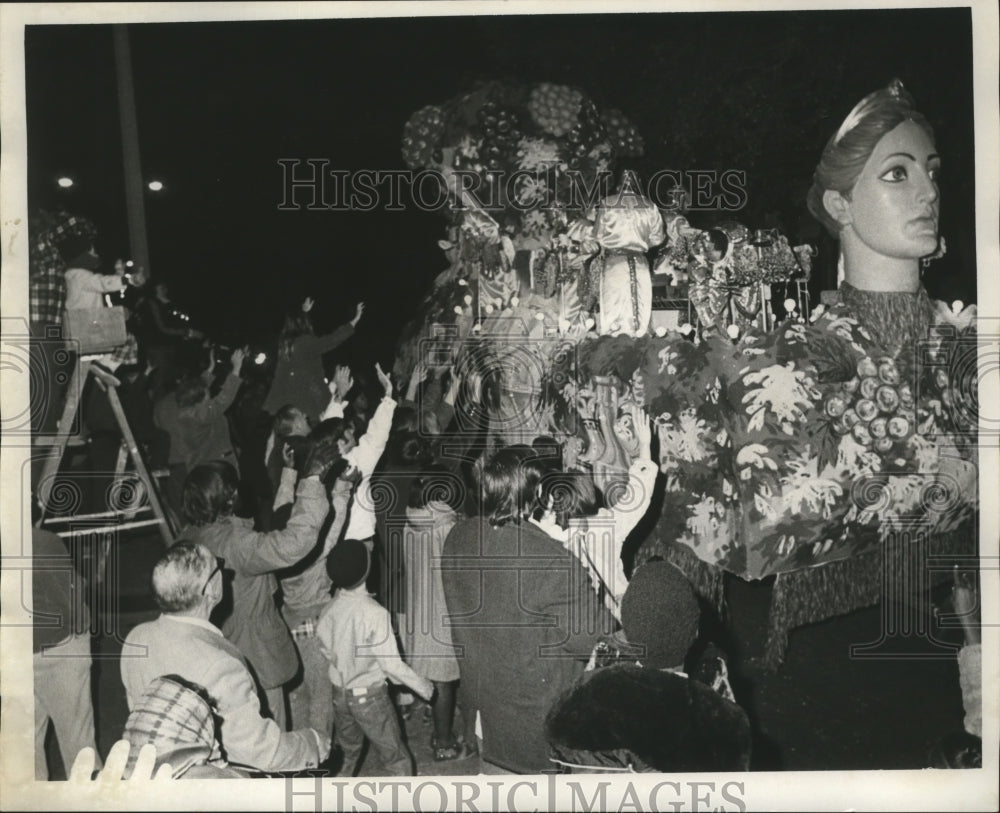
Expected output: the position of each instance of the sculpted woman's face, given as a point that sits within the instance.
(894, 205)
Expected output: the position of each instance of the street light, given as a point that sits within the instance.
(65, 182)
(155, 186)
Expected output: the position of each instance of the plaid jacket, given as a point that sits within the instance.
(177, 718)
(46, 279)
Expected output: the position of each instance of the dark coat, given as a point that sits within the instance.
(254, 623)
(299, 380)
(525, 621)
(632, 716)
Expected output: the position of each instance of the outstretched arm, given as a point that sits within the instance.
(372, 443)
(263, 552)
(324, 344)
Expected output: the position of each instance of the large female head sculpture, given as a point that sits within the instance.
(875, 187)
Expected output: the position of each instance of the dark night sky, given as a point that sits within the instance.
(220, 103)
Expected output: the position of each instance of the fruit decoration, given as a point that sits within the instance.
(555, 108)
(501, 133)
(622, 134)
(873, 406)
(422, 136)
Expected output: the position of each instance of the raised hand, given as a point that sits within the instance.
(236, 359)
(384, 380)
(419, 374)
(359, 310)
(453, 387)
(342, 381)
(307, 304)
(643, 431)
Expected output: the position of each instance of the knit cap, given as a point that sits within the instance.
(347, 563)
(660, 613)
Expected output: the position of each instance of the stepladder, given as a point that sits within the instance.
(131, 500)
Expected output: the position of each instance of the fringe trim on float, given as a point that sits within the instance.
(818, 593)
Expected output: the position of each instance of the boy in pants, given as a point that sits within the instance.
(355, 636)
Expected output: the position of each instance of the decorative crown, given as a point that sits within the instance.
(864, 107)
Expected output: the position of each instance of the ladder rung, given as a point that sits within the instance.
(125, 526)
(98, 515)
(72, 441)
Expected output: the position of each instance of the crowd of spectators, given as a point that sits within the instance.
(340, 554)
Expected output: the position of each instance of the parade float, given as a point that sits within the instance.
(790, 444)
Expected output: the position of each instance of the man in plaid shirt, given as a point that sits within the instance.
(47, 281)
(46, 301)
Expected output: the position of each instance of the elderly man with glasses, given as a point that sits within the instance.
(187, 586)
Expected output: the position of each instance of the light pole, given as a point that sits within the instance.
(134, 203)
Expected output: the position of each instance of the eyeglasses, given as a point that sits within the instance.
(216, 569)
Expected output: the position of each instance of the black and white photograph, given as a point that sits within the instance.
(500, 406)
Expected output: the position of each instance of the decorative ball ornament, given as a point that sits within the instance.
(622, 134)
(555, 108)
(422, 136)
(790, 305)
(733, 331)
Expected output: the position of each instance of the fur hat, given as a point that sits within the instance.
(660, 613)
(348, 563)
(633, 717)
